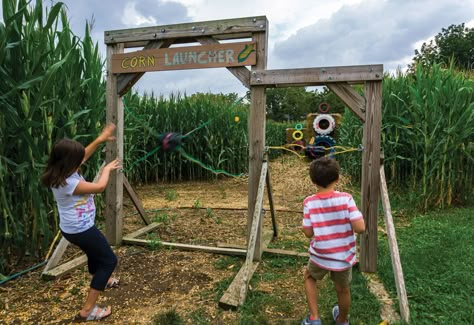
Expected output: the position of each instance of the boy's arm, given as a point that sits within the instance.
(308, 232)
(358, 225)
(105, 135)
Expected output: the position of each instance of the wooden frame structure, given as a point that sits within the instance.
(254, 30)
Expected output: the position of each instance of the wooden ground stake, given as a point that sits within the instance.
(394, 253)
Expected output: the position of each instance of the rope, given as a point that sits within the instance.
(215, 171)
(346, 149)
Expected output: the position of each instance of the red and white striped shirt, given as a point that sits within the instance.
(333, 246)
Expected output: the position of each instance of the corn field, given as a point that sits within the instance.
(427, 135)
(50, 81)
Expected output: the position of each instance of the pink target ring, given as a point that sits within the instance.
(324, 107)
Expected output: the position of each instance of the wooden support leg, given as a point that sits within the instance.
(394, 253)
(136, 202)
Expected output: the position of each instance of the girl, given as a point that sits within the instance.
(75, 200)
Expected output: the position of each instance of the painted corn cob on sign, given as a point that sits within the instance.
(190, 57)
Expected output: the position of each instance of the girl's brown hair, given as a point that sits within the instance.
(65, 158)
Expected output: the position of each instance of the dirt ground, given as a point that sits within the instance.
(154, 280)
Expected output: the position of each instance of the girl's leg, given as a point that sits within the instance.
(100, 258)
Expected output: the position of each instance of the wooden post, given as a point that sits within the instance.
(256, 139)
(371, 175)
(394, 253)
(114, 190)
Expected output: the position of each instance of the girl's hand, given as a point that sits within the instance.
(114, 164)
(107, 133)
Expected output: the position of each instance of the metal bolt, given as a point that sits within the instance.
(111, 38)
(254, 73)
(163, 30)
(193, 28)
(323, 70)
(261, 26)
(154, 35)
(254, 20)
(259, 80)
(107, 33)
(329, 78)
(202, 30)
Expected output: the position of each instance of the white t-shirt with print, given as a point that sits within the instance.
(76, 212)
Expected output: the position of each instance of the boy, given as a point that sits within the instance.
(330, 220)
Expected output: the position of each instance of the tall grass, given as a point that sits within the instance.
(427, 135)
(49, 81)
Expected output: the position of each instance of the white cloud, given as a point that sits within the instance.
(131, 17)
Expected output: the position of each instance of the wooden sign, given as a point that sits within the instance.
(190, 57)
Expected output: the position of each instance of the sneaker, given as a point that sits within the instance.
(308, 321)
(335, 314)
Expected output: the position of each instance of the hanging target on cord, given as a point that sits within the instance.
(322, 144)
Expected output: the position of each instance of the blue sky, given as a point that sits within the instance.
(302, 33)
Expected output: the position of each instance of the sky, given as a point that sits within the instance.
(302, 33)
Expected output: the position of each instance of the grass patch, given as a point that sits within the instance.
(437, 254)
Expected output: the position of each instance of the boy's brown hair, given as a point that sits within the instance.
(323, 171)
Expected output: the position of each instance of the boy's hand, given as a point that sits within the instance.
(107, 133)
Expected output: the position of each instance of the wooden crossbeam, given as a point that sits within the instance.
(320, 76)
(220, 29)
(394, 253)
(349, 97)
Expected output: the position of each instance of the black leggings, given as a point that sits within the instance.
(101, 260)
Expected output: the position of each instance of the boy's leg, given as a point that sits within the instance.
(342, 281)
(343, 301)
(312, 274)
(311, 288)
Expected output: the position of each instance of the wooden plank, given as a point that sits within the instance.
(349, 97)
(231, 297)
(272, 205)
(221, 29)
(65, 268)
(256, 137)
(394, 253)
(316, 76)
(186, 247)
(144, 230)
(256, 224)
(241, 73)
(136, 202)
(57, 255)
(273, 251)
(370, 175)
(231, 300)
(189, 57)
(126, 81)
(114, 149)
